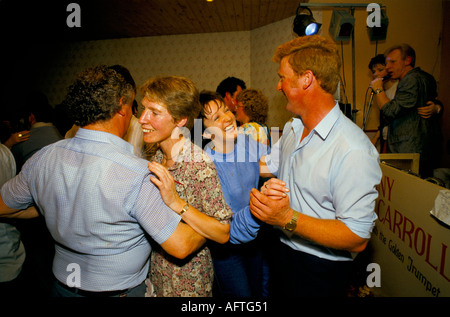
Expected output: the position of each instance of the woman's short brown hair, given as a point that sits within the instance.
(178, 94)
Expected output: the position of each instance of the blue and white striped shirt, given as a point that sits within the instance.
(98, 202)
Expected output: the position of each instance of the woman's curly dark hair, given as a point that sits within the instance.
(95, 95)
(255, 104)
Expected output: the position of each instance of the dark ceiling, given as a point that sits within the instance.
(107, 19)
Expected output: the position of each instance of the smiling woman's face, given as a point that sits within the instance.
(220, 122)
(157, 123)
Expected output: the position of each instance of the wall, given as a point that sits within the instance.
(264, 42)
(208, 58)
(415, 22)
(204, 58)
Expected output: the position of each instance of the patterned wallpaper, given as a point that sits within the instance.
(264, 42)
(209, 58)
(204, 58)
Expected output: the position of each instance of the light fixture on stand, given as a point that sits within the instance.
(305, 24)
(342, 28)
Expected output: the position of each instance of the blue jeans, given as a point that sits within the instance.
(239, 271)
(59, 291)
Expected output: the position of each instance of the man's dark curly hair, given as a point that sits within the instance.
(95, 95)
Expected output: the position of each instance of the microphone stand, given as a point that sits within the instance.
(372, 93)
(366, 116)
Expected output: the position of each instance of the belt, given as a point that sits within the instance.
(81, 292)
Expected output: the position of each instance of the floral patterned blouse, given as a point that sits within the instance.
(258, 132)
(196, 182)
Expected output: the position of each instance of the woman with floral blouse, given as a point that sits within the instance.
(251, 112)
(188, 182)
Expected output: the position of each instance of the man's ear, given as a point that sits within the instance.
(32, 119)
(408, 60)
(228, 96)
(307, 79)
(122, 104)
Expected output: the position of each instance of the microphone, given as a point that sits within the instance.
(384, 78)
(388, 76)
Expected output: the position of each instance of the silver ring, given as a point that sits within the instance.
(265, 185)
(20, 135)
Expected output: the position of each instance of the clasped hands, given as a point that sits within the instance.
(271, 204)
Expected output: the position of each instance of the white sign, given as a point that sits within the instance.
(410, 245)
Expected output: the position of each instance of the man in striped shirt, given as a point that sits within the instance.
(96, 196)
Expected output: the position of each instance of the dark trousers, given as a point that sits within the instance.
(244, 270)
(239, 270)
(299, 274)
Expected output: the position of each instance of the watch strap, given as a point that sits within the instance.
(292, 224)
(185, 208)
(377, 91)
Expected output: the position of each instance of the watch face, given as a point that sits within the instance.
(291, 225)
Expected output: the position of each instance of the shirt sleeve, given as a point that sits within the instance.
(244, 227)
(273, 159)
(355, 191)
(16, 193)
(8, 166)
(157, 219)
(404, 100)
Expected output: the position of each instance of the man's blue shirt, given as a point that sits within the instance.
(98, 203)
(331, 174)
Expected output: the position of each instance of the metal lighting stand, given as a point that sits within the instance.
(352, 7)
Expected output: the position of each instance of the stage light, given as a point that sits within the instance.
(341, 25)
(304, 24)
(378, 33)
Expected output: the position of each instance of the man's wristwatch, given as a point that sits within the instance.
(292, 224)
(378, 90)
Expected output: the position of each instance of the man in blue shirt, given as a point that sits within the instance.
(327, 171)
(97, 197)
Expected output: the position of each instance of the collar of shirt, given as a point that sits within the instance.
(322, 129)
(106, 137)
